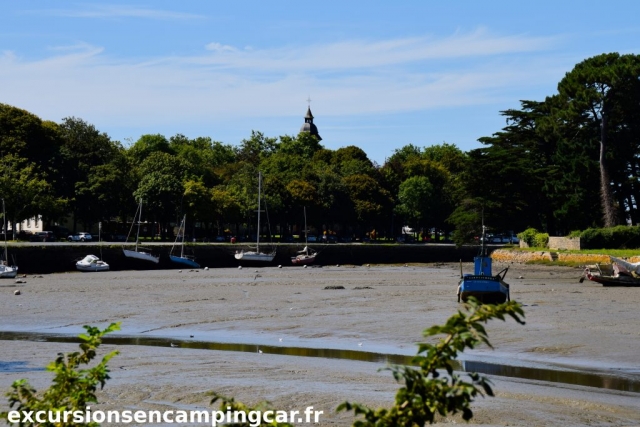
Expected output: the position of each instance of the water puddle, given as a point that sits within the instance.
(581, 378)
(19, 366)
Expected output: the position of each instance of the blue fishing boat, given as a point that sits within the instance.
(483, 284)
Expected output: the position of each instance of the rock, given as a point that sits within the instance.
(17, 292)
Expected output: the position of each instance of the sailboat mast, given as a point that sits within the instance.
(139, 220)
(259, 190)
(4, 227)
(184, 230)
(100, 237)
(306, 232)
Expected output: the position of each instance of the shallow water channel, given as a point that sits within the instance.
(597, 379)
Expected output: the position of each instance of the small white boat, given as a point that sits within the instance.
(306, 256)
(183, 259)
(256, 256)
(92, 263)
(6, 271)
(138, 253)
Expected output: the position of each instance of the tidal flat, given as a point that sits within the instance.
(570, 326)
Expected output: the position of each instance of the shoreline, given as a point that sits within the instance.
(381, 306)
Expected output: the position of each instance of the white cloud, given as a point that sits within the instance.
(353, 77)
(118, 11)
(218, 47)
(358, 54)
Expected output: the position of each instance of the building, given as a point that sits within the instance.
(308, 125)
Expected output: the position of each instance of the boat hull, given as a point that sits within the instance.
(92, 267)
(303, 260)
(184, 261)
(144, 256)
(613, 281)
(8, 271)
(486, 289)
(255, 256)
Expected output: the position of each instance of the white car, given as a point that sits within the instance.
(80, 237)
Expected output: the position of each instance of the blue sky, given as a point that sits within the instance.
(380, 74)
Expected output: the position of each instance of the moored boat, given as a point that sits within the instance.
(256, 256)
(619, 273)
(483, 284)
(6, 271)
(139, 253)
(92, 263)
(183, 259)
(306, 256)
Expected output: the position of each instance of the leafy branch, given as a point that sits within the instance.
(426, 391)
(72, 388)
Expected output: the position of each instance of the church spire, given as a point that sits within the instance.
(308, 125)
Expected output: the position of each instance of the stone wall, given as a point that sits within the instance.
(559, 243)
(567, 243)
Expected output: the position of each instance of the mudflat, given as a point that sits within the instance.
(377, 308)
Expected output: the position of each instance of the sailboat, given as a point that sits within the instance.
(92, 263)
(6, 270)
(187, 260)
(257, 256)
(306, 256)
(138, 253)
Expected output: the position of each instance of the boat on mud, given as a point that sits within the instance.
(618, 273)
(257, 256)
(183, 259)
(306, 256)
(483, 284)
(92, 263)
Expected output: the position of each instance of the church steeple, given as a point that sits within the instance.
(308, 125)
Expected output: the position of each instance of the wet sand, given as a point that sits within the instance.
(382, 309)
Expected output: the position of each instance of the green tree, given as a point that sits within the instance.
(601, 94)
(371, 202)
(161, 187)
(26, 191)
(148, 144)
(415, 198)
(84, 149)
(256, 148)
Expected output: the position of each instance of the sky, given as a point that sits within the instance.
(377, 74)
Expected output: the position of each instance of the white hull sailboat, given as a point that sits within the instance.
(257, 256)
(6, 271)
(306, 256)
(139, 252)
(183, 259)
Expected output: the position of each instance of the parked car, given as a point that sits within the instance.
(43, 236)
(61, 233)
(80, 237)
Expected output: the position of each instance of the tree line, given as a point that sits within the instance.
(566, 163)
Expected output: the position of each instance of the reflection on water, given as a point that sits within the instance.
(19, 366)
(589, 379)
